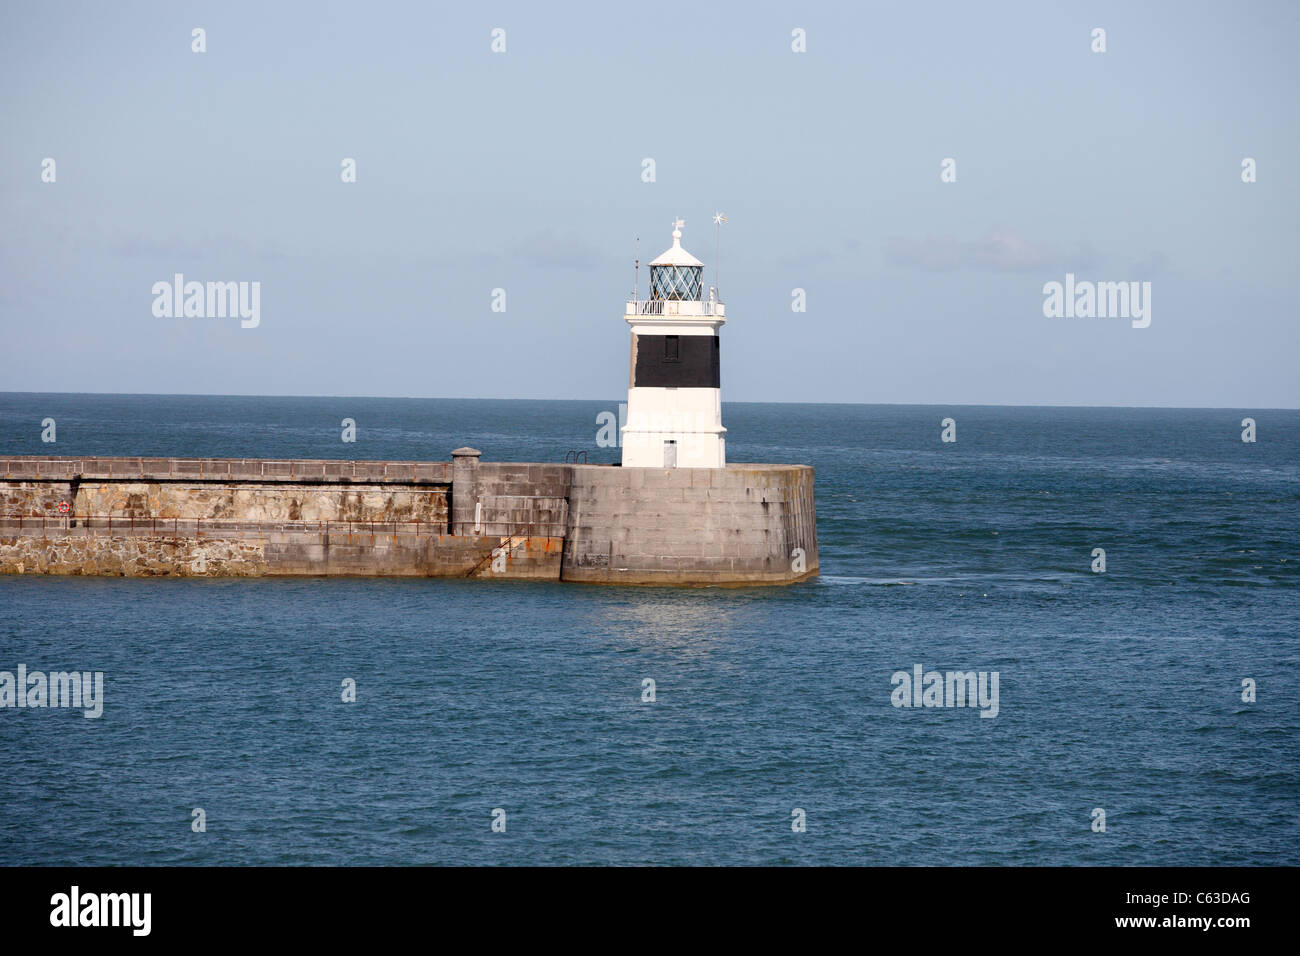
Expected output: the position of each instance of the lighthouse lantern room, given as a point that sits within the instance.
(674, 397)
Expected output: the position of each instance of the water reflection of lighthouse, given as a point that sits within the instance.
(674, 397)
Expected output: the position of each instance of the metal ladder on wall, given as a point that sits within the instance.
(512, 541)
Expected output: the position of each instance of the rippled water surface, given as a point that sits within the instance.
(1120, 690)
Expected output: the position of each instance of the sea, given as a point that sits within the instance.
(1145, 714)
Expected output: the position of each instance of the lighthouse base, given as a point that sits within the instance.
(676, 449)
(674, 428)
(739, 525)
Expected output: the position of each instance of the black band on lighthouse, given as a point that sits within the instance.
(677, 361)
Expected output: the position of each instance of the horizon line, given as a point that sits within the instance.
(447, 398)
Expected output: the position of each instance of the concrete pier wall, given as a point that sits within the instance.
(246, 500)
(743, 524)
(238, 549)
(521, 497)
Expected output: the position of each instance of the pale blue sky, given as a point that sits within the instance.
(522, 170)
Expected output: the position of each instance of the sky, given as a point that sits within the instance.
(522, 170)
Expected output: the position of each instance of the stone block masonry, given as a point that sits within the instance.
(145, 555)
(742, 524)
(599, 524)
(262, 501)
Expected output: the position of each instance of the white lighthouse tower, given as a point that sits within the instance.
(674, 396)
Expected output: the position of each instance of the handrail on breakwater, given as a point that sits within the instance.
(508, 529)
(437, 472)
(199, 526)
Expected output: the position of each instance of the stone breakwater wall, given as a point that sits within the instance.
(261, 501)
(248, 489)
(157, 550)
(126, 555)
(249, 501)
(744, 524)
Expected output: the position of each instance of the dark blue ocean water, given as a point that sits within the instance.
(1119, 690)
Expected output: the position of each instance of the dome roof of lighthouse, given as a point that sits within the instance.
(677, 256)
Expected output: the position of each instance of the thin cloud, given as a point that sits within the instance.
(551, 250)
(1000, 250)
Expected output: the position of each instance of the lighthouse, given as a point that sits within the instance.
(674, 396)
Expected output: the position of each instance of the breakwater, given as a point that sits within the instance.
(600, 524)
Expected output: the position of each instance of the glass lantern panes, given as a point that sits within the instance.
(677, 282)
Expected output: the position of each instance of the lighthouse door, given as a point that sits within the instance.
(670, 454)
